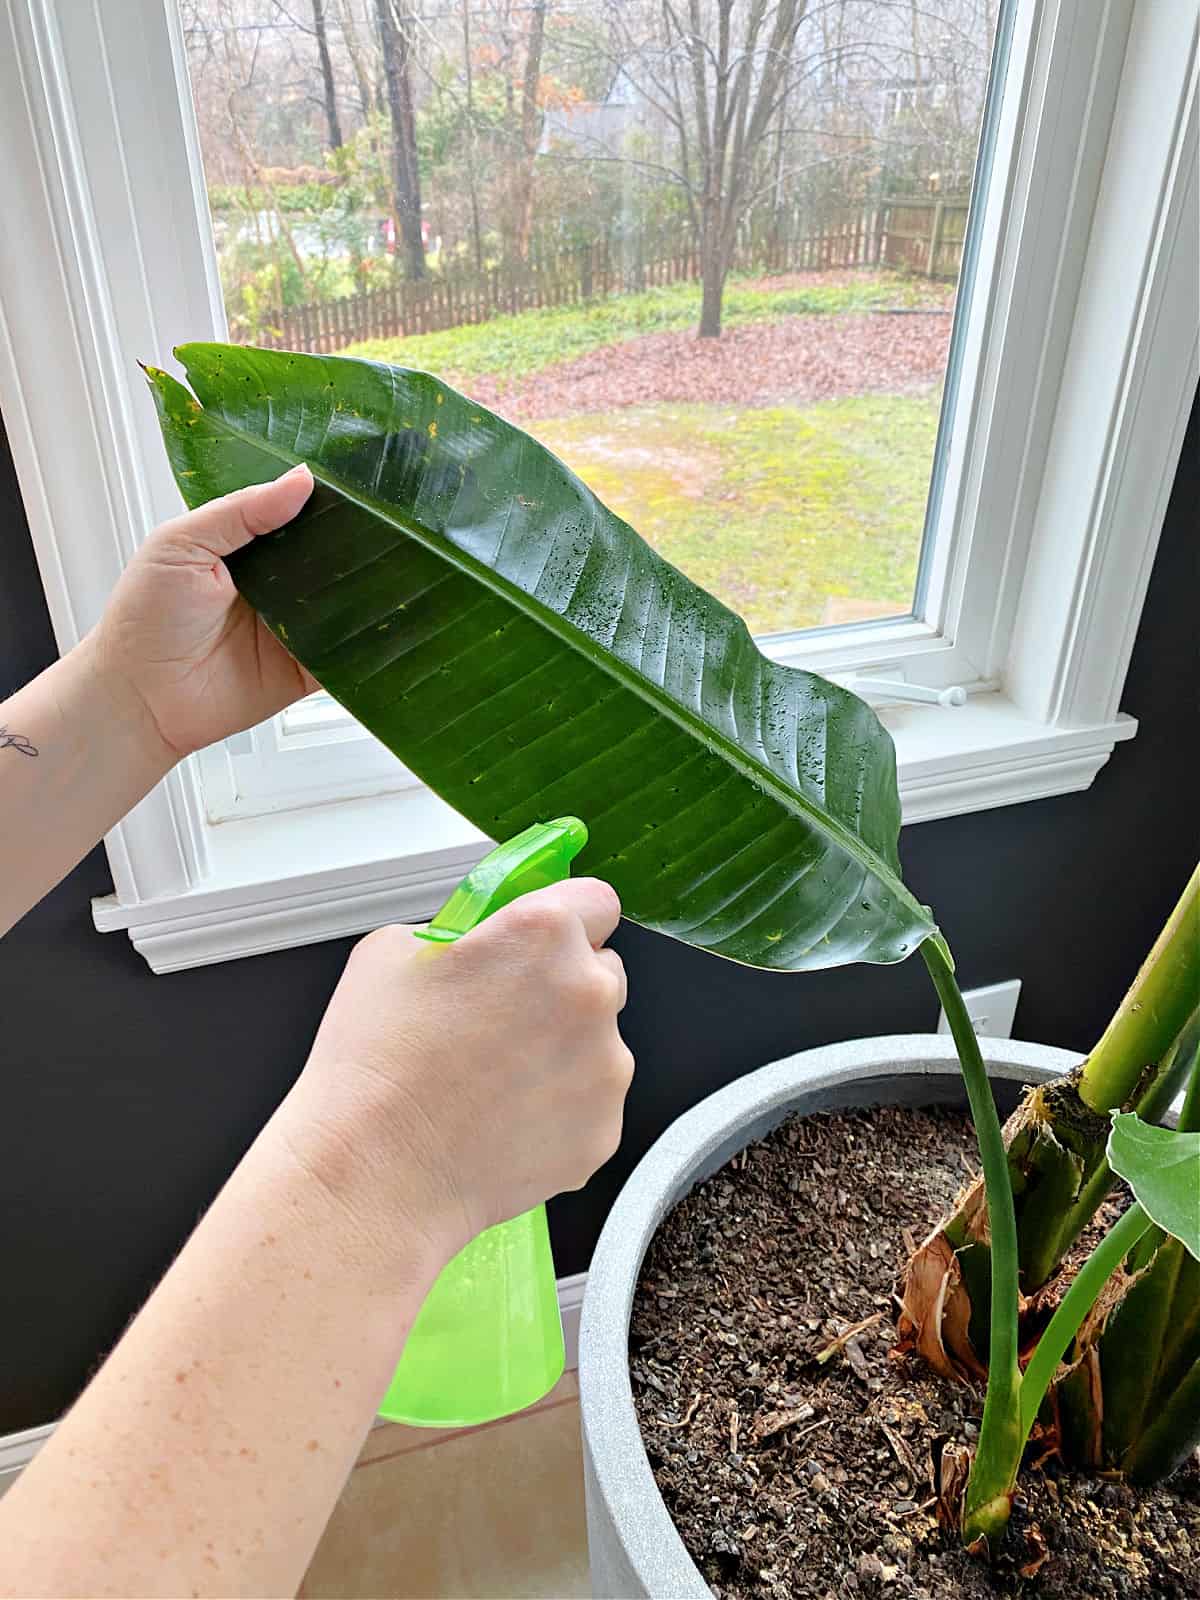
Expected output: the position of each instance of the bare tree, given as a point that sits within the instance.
(331, 106)
(472, 135)
(531, 130)
(396, 44)
(736, 61)
(240, 87)
(368, 87)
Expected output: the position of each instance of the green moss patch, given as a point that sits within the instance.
(794, 516)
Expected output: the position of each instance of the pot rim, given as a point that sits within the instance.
(694, 1146)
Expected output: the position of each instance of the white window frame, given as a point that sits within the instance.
(1077, 374)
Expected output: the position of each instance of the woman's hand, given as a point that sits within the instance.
(453, 1086)
(450, 1086)
(177, 661)
(177, 635)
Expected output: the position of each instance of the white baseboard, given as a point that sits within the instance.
(570, 1304)
(17, 1450)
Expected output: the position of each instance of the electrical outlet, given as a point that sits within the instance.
(991, 1009)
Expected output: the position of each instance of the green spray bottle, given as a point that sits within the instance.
(488, 1340)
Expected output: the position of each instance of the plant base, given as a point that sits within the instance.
(635, 1547)
(794, 1460)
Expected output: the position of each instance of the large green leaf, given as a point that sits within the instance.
(1162, 1167)
(472, 603)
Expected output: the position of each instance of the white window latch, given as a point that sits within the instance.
(918, 693)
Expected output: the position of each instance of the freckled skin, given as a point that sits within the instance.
(243, 1465)
(321, 1248)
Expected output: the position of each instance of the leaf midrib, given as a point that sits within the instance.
(628, 677)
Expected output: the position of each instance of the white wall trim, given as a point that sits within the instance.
(212, 925)
(74, 279)
(17, 1450)
(570, 1304)
(975, 758)
(1127, 386)
(1042, 763)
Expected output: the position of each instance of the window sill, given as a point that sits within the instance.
(299, 877)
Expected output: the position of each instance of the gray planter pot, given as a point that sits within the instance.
(634, 1549)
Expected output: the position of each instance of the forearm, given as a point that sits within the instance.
(207, 1454)
(76, 753)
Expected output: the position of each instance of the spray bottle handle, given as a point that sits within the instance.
(488, 1340)
(534, 859)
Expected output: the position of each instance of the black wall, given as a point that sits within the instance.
(125, 1099)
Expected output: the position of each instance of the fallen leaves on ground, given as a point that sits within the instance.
(797, 359)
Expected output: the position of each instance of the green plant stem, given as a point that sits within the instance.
(1132, 1345)
(1171, 1438)
(1180, 1068)
(1189, 1115)
(1152, 1013)
(1146, 1248)
(1074, 1306)
(989, 1491)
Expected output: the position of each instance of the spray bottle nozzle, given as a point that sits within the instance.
(534, 859)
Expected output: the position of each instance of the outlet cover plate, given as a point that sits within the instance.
(991, 1009)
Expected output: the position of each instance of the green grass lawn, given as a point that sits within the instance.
(519, 345)
(794, 516)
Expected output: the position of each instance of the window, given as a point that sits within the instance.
(561, 261)
(561, 255)
(1065, 385)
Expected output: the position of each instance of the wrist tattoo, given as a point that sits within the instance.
(17, 742)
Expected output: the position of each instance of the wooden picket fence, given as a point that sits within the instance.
(910, 235)
(925, 236)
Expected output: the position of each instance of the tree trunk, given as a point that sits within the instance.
(395, 40)
(777, 202)
(531, 131)
(712, 281)
(714, 268)
(367, 95)
(255, 181)
(736, 92)
(472, 150)
(915, 34)
(331, 110)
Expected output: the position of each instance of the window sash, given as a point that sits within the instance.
(928, 648)
(273, 770)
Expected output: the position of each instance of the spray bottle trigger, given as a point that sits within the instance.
(534, 859)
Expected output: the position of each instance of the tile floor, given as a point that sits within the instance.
(495, 1513)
